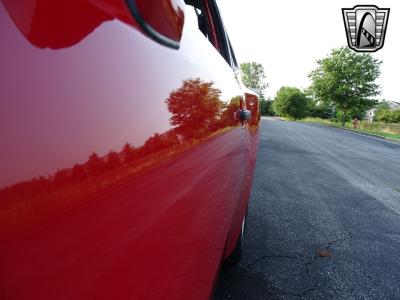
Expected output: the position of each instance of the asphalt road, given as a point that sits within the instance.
(324, 218)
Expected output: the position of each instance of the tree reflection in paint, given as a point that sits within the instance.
(195, 108)
(197, 113)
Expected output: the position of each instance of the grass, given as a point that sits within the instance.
(380, 129)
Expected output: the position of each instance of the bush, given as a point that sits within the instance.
(291, 102)
(266, 107)
(388, 116)
(320, 110)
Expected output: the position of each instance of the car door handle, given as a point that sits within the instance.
(243, 115)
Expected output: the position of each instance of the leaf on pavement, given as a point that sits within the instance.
(324, 253)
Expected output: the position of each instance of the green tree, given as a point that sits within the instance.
(291, 102)
(266, 107)
(388, 116)
(253, 76)
(395, 114)
(346, 80)
(382, 105)
(318, 109)
(381, 109)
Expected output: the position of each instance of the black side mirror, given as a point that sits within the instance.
(243, 115)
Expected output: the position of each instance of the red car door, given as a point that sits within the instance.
(124, 172)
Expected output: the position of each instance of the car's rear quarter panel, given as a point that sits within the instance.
(146, 222)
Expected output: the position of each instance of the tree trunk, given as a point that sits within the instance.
(344, 118)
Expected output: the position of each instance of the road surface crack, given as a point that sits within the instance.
(273, 288)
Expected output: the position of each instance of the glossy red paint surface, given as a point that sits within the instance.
(123, 174)
(166, 16)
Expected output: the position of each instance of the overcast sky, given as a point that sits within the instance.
(288, 36)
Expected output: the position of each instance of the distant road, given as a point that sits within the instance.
(324, 217)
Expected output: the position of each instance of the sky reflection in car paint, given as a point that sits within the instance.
(197, 113)
(69, 118)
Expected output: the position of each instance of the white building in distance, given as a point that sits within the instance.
(393, 105)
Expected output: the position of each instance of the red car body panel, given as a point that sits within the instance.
(123, 173)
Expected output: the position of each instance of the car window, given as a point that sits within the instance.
(235, 64)
(210, 24)
(225, 47)
(203, 23)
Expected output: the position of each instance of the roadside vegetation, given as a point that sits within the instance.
(253, 76)
(342, 93)
(389, 130)
(291, 102)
